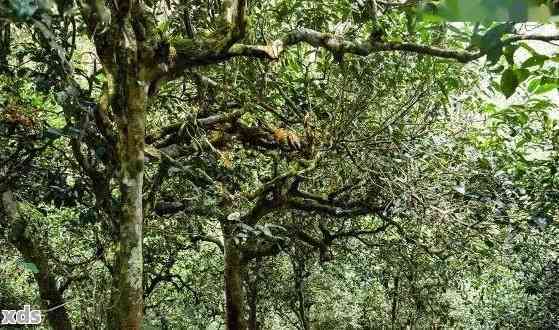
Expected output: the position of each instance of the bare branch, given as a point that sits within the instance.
(537, 37)
(311, 205)
(174, 129)
(268, 250)
(355, 233)
(339, 45)
(210, 239)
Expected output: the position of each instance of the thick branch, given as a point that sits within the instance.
(333, 209)
(341, 45)
(322, 245)
(263, 207)
(32, 251)
(267, 250)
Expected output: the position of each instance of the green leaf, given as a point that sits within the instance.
(547, 87)
(536, 60)
(495, 85)
(491, 43)
(494, 54)
(522, 118)
(497, 69)
(529, 49)
(533, 85)
(544, 84)
(509, 82)
(522, 74)
(484, 163)
(509, 53)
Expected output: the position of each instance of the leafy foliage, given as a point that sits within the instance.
(351, 178)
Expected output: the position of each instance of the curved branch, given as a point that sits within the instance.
(339, 45)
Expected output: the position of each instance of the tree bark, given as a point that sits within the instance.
(394, 312)
(32, 251)
(299, 272)
(130, 104)
(5, 38)
(234, 301)
(252, 296)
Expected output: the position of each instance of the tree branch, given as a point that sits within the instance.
(339, 45)
(210, 239)
(269, 249)
(202, 122)
(33, 251)
(311, 205)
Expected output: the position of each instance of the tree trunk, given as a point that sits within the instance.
(129, 103)
(32, 251)
(300, 289)
(299, 276)
(5, 38)
(252, 297)
(234, 302)
(395, 297)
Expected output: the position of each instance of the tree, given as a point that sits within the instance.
(142, 52)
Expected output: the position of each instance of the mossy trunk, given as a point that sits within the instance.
(234, 298)
(130, 103)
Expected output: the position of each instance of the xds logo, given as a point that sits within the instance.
(24, 316)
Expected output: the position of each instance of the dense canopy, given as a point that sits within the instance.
(280, 164)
